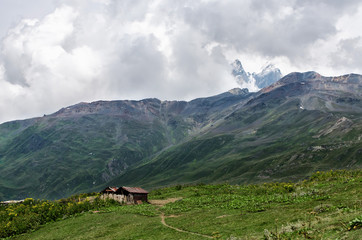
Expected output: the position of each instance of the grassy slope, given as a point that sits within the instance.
(67, 153)
(320, 208)
(70, 156)
(110, 225)
(265, 142)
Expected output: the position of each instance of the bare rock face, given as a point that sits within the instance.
(316, 92)
(347, 83)
(342, 125)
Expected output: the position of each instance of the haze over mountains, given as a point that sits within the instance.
(300, 124)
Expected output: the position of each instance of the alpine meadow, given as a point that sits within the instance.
(158, 119)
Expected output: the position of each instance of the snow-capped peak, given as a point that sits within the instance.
(269, 67)
(255, 81)
(237, 68)
(239, 72)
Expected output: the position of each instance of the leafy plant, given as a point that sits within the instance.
(355, 223)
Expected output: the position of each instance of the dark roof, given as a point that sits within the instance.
(134, 190)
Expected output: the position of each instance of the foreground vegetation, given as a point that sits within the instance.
(326, 206)
(30, 214)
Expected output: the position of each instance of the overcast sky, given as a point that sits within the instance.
(61, 52)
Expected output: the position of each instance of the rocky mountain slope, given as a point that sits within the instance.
(303, 123)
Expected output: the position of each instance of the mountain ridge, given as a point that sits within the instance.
(283, 132)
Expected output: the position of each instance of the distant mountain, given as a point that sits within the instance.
(239, 72)
(269, 75)
(302, 123)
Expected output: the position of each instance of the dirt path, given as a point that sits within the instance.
(180, 230)
(161, 203)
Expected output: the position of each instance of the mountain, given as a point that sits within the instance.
(303, 123)
(269, 75)
(84, 146)
(239, 72)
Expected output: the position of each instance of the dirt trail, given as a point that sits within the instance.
(180, 230)
(161, 203)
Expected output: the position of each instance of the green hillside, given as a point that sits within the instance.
(326, 206)
(303, 123)
(73, 155)
(83, 147)
(256, 144)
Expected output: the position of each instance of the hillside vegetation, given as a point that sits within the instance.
(326, 206)
(301, 124)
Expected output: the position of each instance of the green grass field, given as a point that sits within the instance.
(327, 206)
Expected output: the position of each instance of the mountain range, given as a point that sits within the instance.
(300, 124)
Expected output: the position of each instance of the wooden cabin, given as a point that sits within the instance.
(128, 195)
(133, 194)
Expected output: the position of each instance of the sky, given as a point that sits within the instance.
(56, 53)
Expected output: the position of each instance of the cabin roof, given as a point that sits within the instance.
(110, 189)
(134, 190)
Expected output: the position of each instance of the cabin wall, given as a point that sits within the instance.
(140, 197)
(129, 199)
(117, 197)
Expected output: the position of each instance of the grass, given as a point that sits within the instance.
(326, 206)
(106, 145)
(107, 225)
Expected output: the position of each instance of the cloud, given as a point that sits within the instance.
(36, 64)
(108, 49)
(349, 52)
(74, 55)
(270, 28)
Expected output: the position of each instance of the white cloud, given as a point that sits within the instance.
(108, 49)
